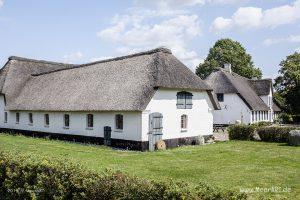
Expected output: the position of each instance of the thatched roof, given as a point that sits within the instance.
(262, 86)
(120, 84)
(222, 81)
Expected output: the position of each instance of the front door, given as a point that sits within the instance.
(155, 129)
(107, 135)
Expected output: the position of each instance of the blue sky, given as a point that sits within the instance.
(77, 31)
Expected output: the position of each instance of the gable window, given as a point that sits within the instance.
(5, 117)
(119, 122)
(184, 121)
(17, 118)
(220, 97)
(46, 116)
(184, 100)
(90, 121)
(66, 121)
(30, 118)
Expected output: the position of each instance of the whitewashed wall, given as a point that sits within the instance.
(200, 118)
(233, 108)
(136, 124)
(131, 129)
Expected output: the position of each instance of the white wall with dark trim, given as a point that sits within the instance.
(135, 124)
(200, 117)
(78, 123)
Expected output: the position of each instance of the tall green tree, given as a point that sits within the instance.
(229, 51)
(287, 83)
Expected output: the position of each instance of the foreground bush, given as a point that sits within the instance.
(25, 177)
(263, 123)
(241, 132)
(285, 118)
(274, 133)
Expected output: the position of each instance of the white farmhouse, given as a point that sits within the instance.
(242, 99)
(129, 102)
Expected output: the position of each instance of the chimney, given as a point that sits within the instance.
(227, 67)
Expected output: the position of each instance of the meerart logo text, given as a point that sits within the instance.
(273, 189)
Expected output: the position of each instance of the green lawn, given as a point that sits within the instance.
(233, 165)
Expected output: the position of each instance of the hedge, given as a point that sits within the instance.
(241, 132)
(29, 177)
(274, 133)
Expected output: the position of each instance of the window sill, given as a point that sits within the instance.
(66, 127)
(46, 126)
(118, 130)
(89, 128)
(183, 130)
(30, 124)
(17, 122)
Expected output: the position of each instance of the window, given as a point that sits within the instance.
(184, 121)
(66, 120)
(90, 121)
(220, 97)
(17, 118)
(119, 122)
(5, 117)
(184, 100)
(46, 116)
(30, 118)
(253, 116)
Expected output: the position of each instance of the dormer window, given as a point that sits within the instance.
(184, 100)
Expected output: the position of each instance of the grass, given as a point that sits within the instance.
(232, 165)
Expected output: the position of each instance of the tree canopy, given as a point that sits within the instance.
(287, 84)
(232, 52)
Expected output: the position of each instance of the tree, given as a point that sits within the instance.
(232, 52)
(287, 83)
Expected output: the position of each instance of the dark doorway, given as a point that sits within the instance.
(107, 135)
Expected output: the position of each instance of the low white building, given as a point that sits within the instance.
(130, 101)
(242, 99)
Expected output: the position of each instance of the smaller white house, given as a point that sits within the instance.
(130, 101)
(242, 99)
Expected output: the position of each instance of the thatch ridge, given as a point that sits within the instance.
(124, 83)
(160, 49)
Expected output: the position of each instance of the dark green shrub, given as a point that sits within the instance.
(274, 133)
(28, 177)
(285, 118)
(259, 124)
(241, 132)
(296, 119)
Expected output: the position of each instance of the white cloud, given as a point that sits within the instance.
(253, 17)
(100, 58)
(227, 1)
(221, 23)
(73, 57)
(247, 16)
(132, 34)
(290, 39)
(1, 3)
(297, 50)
